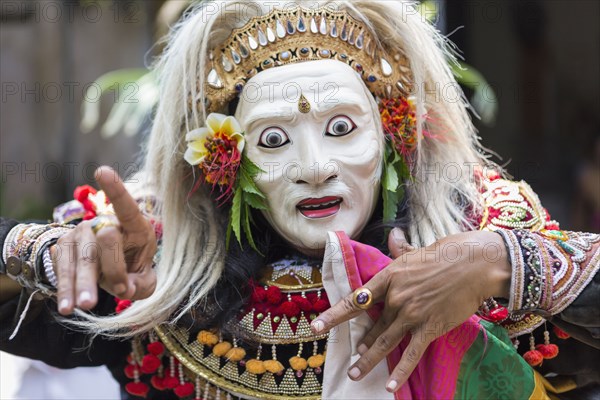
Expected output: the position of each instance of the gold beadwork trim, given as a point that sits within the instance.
(295, 288)
(526, 325)
(236, 389)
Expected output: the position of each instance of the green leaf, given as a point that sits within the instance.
(236, 210)
(255, 201)
(248, 185)
(390, 205)
(252, 169)
(247, 228)
(390, 178)
(228, 233)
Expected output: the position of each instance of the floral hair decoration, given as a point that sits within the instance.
(217, 150)
(398, 118)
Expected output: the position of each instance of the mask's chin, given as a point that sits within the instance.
(312, 248)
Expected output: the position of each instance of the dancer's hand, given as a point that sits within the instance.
(427, 292)
(118, 257)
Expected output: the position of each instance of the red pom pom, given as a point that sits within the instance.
(289, 308)
(171, 382)
(158, 383)
(137, 389)
(122, 305)
(81, 193)
(155, 348)
(321, 305)
(312, 297)
(548, 351)
(274, 295)
(303, 303)
(533, 358)
(184, 390)
(560, 333)
(150, 364)
(129, 371)
(259, 294)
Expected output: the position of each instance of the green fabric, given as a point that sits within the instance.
(492, 369)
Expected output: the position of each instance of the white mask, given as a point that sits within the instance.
(322, 168)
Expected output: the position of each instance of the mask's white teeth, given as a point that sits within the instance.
(320, 206)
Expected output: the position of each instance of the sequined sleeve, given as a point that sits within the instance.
(550, 267)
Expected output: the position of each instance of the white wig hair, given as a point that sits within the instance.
(439, 199)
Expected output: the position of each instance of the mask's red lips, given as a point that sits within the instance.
(320, 207)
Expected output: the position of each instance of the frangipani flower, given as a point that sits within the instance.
(218, 126)
(217, 150)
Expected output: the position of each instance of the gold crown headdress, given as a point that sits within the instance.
(298, 34)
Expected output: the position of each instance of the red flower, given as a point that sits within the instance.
(399, 122)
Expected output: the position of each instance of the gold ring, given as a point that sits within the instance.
(362, 298)
(102, 221)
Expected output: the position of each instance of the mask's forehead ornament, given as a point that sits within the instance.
(303, 105)
(295, 35)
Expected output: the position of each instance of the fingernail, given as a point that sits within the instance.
(397, 233)
(84, 296)
(354, 373)
(362, 349)
(120, 288)
(391, 386)
(64, 304)
(317, 326)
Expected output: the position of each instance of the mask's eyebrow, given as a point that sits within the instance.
(285, 115)
(356, 103)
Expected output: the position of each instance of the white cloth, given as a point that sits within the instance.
(343, 340)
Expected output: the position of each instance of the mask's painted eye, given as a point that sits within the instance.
(340, 125)
(273, 137)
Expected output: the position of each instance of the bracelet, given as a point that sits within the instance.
(48, 267)
(26, 254)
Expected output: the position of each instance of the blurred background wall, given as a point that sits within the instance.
(541, 58)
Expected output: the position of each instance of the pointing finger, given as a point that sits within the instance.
(125, 206)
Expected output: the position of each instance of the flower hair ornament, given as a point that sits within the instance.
(217, 150)
(283, 37)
